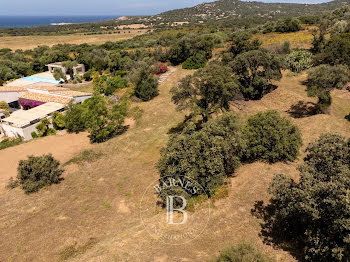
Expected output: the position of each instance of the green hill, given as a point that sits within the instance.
(228, 9)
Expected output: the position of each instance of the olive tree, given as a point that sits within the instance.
(207, 92)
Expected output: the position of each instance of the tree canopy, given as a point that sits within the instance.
(314, 213)
(208, 92)
(322, 80)
(255, 70)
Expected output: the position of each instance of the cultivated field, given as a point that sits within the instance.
(93, 215)
(30, 42)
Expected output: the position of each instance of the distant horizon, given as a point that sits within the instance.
(26, 8)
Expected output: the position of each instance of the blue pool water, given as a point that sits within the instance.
(39, 79)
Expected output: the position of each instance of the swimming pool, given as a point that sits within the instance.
(39, 79)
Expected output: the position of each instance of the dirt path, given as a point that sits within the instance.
(63, 147)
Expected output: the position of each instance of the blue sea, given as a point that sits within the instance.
(29, 21)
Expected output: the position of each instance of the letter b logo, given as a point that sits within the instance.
(170, 210)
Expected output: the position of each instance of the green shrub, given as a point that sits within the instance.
(58, 120)
(195, 62)
(4, 107)
(77, 79)
(299, 60)
(44, 129)
(271, 138)
(37, 172)
(244, 252)
(285, 48)
(88, 75)
(34, 135)
(146, 86)
(10, 142)
(327, 156)
(58, 74)
(103, 123)
(114, 83)
(13, 183)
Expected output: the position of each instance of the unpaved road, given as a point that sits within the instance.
(63, 147)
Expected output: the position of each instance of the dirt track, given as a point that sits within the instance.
(63, 147)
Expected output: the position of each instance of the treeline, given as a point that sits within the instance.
(111, 56)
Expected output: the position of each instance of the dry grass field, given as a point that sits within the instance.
(63, 146)
(93, 215)
(300, 39)
(30, 42)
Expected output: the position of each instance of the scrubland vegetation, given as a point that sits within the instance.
(214, 134)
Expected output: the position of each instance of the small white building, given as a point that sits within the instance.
(23, 122)
(79, 69)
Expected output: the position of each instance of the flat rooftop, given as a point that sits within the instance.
(70, 93)
(12, 89)
(23, 118)
(45, 98)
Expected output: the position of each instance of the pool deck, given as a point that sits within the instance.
(22, 82)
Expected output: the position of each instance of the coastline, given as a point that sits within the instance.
(33, 21)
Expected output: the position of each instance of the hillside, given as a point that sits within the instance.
(227, 9)
(94, 214)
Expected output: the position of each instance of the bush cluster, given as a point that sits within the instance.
(313, 212)
(210, 152)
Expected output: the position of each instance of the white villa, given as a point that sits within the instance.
(34, 98)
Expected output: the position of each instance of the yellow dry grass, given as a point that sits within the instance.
(100, 200)
(30, 42)
(300, 39)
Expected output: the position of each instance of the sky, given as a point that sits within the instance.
(100, 7)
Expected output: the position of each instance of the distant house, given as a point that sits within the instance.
(77, 70)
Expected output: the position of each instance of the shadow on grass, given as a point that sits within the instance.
(273, 233)
(303, 109)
